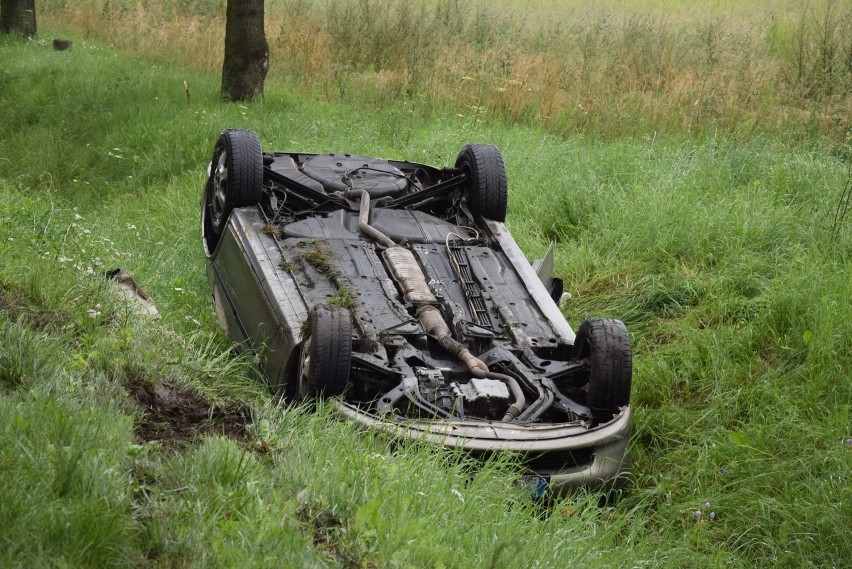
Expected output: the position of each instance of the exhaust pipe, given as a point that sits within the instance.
(407, 272)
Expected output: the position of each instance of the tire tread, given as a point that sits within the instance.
(489, 182)
(245, 157)
(610, 364)
(331, 350)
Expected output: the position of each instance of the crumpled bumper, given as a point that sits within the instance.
(565, 455)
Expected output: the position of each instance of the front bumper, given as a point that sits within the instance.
(568, 455)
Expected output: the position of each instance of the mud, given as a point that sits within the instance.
(174, 415)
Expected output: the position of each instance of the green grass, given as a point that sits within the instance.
(603, 69)
(715, 249)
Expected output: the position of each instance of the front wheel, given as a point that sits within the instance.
(326, 352)
(606, 345)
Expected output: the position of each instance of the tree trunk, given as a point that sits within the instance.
(18, 16)
(246, 51)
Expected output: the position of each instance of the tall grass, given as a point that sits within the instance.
(607, 69)
(718, 253)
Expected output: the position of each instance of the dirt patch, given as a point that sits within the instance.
(174, 415)
(324, 528)
(15, 304)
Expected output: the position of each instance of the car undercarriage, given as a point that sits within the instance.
(396, 288)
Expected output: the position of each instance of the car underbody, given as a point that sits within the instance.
(395, 288)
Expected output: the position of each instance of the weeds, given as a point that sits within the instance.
(344, 298)
(319, 257)
(272, 229)
(604, 70)
(844, 204)
(322, 259)
(823, 60)
(25, 355)
(288, 266)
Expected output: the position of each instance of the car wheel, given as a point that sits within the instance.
(488, 188)
(236, 176)
(326, 352)
(606, 345)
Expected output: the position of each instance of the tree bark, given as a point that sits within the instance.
(18, 16)
(246, 51)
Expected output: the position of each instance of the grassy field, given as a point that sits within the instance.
(602, 69)
(719, 249)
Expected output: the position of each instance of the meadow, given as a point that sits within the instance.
(605, 68)
(725, 247)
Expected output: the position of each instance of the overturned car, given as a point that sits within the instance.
(396, 289)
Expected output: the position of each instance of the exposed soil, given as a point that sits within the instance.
(174, 414)
(15, 304)
(324, 528)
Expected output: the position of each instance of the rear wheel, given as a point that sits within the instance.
(487, 185)
(326, 352)
(236, 177)
(606, 345)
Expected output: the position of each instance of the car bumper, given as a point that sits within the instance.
(564, 456)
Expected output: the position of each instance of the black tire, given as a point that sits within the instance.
(326, 353)
(606, 344)
(488, 188)
(236, 176)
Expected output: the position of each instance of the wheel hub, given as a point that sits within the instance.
(305, 367)
(220, 187)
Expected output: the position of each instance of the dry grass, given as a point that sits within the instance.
(632, 66)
